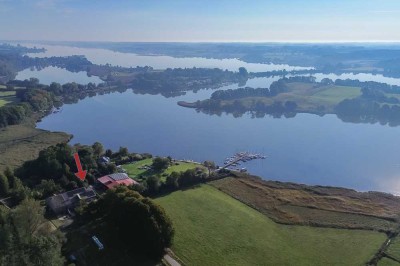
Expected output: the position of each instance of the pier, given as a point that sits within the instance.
(241, 157)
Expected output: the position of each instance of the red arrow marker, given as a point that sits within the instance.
(81, 173)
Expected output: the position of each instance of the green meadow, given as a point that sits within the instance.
(212, 228)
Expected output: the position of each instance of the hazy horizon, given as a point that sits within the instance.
(201, 21)
(208, 42)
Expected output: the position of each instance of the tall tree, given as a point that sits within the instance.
(210, 166)
(4, 186)
(153, 184)
(123, 151)
(141, 226)
(10, 177)
(172, 180)
(160, 163)
(98, 149)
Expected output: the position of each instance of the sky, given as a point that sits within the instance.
(201, 21)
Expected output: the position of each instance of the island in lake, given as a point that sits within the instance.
(351, 100)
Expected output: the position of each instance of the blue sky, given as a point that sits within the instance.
(207, 20)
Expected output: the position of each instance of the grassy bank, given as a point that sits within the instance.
(20, 143)
(223, 231)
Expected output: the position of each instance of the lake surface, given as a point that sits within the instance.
(103, 56)
(306, 149)
(51, 74)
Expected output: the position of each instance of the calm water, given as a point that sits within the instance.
(305, 149)
(360, 76)
(102, 56)
(49, 74)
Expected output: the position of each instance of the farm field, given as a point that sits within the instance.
(223, 231)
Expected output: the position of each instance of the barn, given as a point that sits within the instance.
(112, 180)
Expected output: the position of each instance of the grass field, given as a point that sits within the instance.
(134, 171)
(7, 97)
(394, 248)
(212, 228)
(133, 168)
(388, 262)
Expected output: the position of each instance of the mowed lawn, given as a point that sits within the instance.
(134, 171)
(212, 228)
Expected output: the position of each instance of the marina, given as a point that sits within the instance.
(241, 157)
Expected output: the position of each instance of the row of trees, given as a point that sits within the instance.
(384, 87)
(174, 81)
(32, 100)
(153, 185)
(11, 186)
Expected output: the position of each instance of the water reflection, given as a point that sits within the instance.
(103, 56)
(60, 75)
(305, 149)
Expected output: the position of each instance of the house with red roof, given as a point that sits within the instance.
(113, 180)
